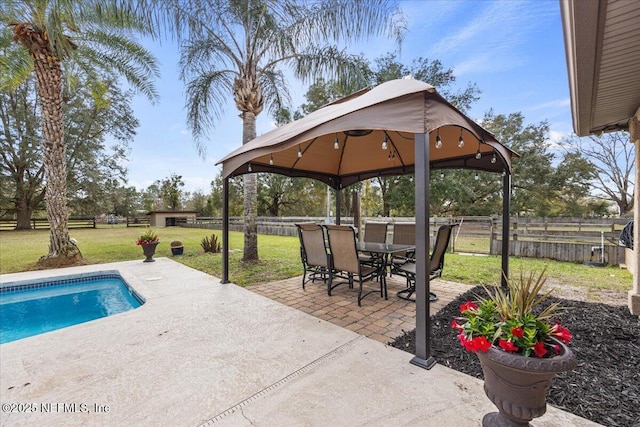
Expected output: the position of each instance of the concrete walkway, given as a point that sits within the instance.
(202, 353)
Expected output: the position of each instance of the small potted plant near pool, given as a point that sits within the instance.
(519, 347)
(176, 247)
(148, 240)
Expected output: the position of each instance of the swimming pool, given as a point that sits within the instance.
(34, 307)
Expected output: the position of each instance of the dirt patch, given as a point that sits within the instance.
(604, 387)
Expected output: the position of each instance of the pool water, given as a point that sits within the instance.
(34, 308)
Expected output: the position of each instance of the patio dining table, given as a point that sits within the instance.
(384, 250)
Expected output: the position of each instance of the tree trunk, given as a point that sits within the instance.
(250, 195)
(49, 84)
(23, 215)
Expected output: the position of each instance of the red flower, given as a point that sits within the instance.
(517, 332)
(538, 349)
(483, 343)
(561, 333)
(469, 305)
(468, 344)
(462, 339)
(508, 346)
(456, 325)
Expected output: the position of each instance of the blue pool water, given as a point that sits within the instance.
(33, 308)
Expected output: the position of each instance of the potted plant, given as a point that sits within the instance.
(176, 247)
(148, 240)
(519, 347)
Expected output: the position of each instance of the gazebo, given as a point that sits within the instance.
(399, 127)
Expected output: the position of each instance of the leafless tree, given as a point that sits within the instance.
(612, 157)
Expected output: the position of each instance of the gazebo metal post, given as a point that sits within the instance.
(422, 356)
(506, 222)
(225, 230)
(338, 203)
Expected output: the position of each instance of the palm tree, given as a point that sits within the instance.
(62, 38)
(241, 47)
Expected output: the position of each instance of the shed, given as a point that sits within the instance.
(169, 218)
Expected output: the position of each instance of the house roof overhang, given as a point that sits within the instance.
(602, 43)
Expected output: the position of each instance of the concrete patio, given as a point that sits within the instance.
(202, 353)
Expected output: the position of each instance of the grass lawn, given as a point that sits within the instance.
(279, 257)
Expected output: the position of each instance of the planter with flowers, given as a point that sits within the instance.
(518, 346)
(176, 247)
(148, 240)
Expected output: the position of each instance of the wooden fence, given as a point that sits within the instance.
(562, 239)
(38, 224)
(138, 221)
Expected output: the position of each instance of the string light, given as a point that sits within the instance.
(460, 140)
(494, 159)
(438, 140)
(250, 169)
(441, 174)
(477, 177)
(384, 143)
(336, 144)
(271, 159)
(478, 153)
(299, 152)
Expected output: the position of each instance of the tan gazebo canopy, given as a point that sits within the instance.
(399, 127)
(389, 114)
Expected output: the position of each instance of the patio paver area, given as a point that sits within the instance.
(379, 319)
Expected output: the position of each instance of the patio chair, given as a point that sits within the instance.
(374, 232)
(436, 264)
(346, 265)
(313, 252)
(404, 233)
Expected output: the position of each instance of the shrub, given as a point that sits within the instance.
(211, 244)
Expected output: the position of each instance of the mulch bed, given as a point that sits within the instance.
(604, 387)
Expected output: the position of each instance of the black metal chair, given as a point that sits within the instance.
(374, 232)
(345, 263)
(435, 262)
(404, 233)
(313, 252)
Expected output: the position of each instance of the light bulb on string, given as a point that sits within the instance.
(299, 152)
(477, 177)
(478, 154)
(384, 143)
(460, 140)
(249, 168)
(494, 159)
(271, 160)
(441, 174)
(438, 140)
(336, 144)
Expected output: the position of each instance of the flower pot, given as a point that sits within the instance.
(149, 250)
(177, 250)
(518, 385)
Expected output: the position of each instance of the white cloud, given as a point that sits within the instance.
(556, 103)
(491, 38)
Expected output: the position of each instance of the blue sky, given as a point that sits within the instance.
(513, 50)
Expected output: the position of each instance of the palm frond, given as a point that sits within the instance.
(207, 95)
(275, 90)
(15, 62)
(331, 63)
(348, 20)
(132, 60)
(199, 54)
